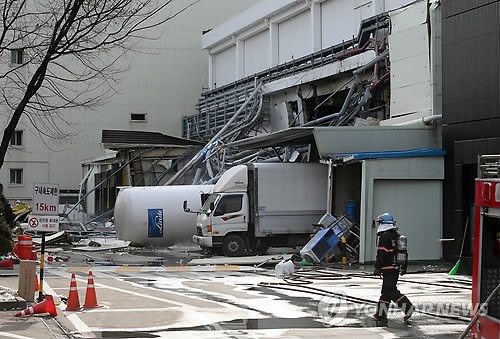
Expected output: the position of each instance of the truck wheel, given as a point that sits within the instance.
(233, 246)
(262, 247)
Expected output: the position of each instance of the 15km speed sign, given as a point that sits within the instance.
(45, 210)
(45, 199)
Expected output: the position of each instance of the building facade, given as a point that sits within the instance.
(471, 109)
(355, 84)
(163, 82)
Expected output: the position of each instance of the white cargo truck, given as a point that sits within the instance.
(261, 205)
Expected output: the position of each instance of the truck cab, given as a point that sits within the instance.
(222, 221)
(223, 213)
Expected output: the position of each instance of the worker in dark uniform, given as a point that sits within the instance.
(387, 266)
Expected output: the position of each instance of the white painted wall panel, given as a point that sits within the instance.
(362, 10)
(224, 66)
(408, 17)
(409, 43)
(294, 37)
(257, 53)
(410, 72)
(397, 186)
(359, 3)
(399, 197)
(338, 20)
(238, 23)
(409, 100)
(393, 4)
(336, 24)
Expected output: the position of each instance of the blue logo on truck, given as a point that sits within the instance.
(155, 223)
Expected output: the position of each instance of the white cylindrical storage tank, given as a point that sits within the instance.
(155, 215)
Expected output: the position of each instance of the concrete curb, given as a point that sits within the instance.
(13, 301)
(17, 303)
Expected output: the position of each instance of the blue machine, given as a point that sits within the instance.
(326, 238)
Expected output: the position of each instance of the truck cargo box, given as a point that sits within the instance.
(290, 197)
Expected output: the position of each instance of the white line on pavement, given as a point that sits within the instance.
(10, 335)
(80, 326)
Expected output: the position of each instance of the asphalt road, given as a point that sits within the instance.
(155, 294)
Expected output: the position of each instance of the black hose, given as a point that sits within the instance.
(358, 300)
(303, 277)
(369, 276)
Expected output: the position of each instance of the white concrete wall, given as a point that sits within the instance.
(298, 30)
(224, 66)
(362, 9)
(392, 4)
(164, 82)
(33, 157)
(334, 30)
(256, 53)
(293, 29)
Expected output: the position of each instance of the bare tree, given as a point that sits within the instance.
(61, 54)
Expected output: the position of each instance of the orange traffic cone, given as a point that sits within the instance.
(73, 300)
(34, 256)
(46, 306)
(7, 263)
(37, 287)
(90, 297)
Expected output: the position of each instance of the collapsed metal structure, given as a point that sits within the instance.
(238, 110)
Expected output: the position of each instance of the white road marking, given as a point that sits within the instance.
(10, 335)
(124, 310)
(142, 295)
(80, 326)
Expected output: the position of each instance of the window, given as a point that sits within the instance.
(17, 56)
(17, 138)
(16, 176)
(69, 197)
(229, 204)
(138, 117)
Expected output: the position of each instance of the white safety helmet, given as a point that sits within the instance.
(386, 222)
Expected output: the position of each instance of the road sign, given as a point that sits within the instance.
(45, 199)
(44, 217)
(43, 223)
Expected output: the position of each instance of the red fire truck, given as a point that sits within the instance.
(486, 255)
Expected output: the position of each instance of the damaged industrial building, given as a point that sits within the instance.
(289, 83)
(357, 86)
(324, 124)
